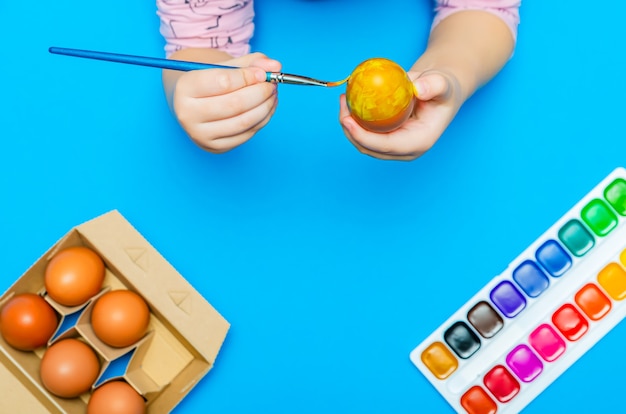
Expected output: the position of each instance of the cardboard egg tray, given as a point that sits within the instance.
(183, 338)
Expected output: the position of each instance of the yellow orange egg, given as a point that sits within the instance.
(74, 275)
(380, 95)
(120, 318)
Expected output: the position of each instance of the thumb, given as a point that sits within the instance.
(431, 86)
(257, 59)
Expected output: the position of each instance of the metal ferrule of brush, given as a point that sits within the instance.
(276, 77)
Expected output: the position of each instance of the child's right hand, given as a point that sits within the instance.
(221, 109)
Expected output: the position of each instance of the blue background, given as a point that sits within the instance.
(331, 265)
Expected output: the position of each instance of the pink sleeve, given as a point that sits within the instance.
(226, 25)
(507, 10)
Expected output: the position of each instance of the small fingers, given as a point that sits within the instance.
(259, 60)
(225, 134)
(224, 144)
(212, 82)
(400, 144)
(246, 71)
(396, 146)
(256, 59)
(215, 108)
(432, 85)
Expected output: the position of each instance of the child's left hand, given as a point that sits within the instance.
(439, 99)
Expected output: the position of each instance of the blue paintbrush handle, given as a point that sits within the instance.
(136, 60)
(273, 77)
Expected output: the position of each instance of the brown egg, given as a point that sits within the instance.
(116, 397)
(69, 368)
(120, 318)
(74, 275)
(27, 321)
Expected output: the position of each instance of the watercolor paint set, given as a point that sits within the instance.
(553, 303)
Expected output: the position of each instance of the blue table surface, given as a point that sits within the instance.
(330, 265)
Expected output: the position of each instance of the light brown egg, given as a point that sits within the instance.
(116, 397)
(69, 368)
(120, 318)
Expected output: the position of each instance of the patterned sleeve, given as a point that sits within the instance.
(226, 25)
(507, 10)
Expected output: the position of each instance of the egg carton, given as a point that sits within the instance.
(183, 339)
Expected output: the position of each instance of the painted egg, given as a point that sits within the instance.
(74, 275)
(27, 321)
(69, 368)
(120, 318)
(380, 95)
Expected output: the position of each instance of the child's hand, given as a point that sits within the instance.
(223, 108)
(439, 99)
